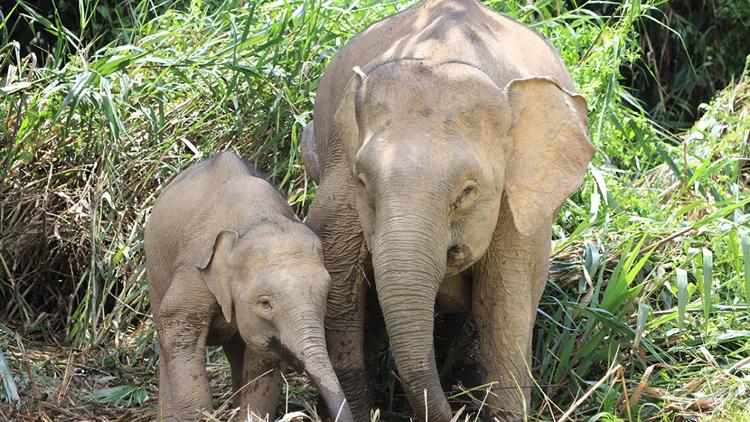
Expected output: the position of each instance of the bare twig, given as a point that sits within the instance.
(625, 394)
(27, 361)
(654, 245)
(55, 408)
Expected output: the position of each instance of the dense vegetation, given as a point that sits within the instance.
(646, 310)
(691, 49)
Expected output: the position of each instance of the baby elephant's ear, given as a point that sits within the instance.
(548, 152)
(214, 269)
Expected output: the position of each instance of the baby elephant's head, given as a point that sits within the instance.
(273, 281)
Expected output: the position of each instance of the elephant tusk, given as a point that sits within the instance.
(358, 71)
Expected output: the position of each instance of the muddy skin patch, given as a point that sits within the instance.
(423, 69)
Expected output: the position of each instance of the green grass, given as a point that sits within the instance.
(651, 257)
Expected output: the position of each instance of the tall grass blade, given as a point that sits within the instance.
(708, 270)
(644, 312)
(682, 294)
(746, 259)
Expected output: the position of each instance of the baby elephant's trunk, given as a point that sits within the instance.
(309, 346)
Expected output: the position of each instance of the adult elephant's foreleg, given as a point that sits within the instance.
(508, 283)
(335, 220)
(262, 383)
(345, 338)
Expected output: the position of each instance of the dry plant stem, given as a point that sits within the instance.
(229, 400)
(583, 398)
(739, 364)
(459, 413)
(644, 380)
(692, 386)
(125, 416)
(32, 380)
(63, 389)
(286, 394)
(56, 408)
(625, 394)
(14, 287)
(484, 400)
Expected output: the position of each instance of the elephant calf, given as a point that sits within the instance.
(229, 264)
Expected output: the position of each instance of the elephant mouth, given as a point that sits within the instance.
(459, 257)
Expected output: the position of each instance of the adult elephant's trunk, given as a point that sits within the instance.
(409, 258)
(309, 346)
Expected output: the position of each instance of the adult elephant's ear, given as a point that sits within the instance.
(310, 157)
(214, 269)
(549, 149)
(347, 118)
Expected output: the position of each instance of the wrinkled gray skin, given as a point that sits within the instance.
(442, 157)
(229, 264)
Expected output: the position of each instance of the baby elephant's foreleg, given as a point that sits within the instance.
(182, 337)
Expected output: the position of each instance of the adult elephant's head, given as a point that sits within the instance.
(438, 148)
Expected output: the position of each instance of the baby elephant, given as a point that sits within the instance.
(229, 263)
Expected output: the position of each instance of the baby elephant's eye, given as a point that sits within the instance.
(265, 302)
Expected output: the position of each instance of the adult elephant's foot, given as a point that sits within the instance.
(509, 401)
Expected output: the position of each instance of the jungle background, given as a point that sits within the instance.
(646, 315)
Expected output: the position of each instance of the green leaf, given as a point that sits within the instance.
(122, 394)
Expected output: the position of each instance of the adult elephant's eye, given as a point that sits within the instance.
(362, 182)
(463, 197)
(467, 191)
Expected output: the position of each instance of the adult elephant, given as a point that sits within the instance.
(444, 138)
